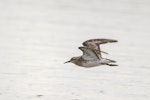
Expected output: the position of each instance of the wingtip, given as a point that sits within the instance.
(115, 40)
(112, 40)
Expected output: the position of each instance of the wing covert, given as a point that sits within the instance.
(88, 53)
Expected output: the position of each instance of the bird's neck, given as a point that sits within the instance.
(79, 61)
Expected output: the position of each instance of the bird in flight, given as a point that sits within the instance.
(92, 54)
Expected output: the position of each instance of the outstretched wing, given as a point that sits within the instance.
(88, 53)
(94, 44)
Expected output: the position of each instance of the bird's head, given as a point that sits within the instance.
(72, 60)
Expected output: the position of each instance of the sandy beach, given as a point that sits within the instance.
(37, 37)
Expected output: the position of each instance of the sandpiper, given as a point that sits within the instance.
(92, 54)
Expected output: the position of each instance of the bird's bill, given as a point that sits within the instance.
(67, 62)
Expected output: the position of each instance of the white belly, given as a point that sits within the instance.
(95, 62)
(92, 63)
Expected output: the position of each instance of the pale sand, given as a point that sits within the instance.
(37, 37)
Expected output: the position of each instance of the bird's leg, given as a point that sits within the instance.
(111, 64)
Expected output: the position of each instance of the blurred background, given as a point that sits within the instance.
(37, 37)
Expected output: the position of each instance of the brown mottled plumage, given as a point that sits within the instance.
(92, 54)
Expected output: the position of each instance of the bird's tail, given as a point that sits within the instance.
(111, 61)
